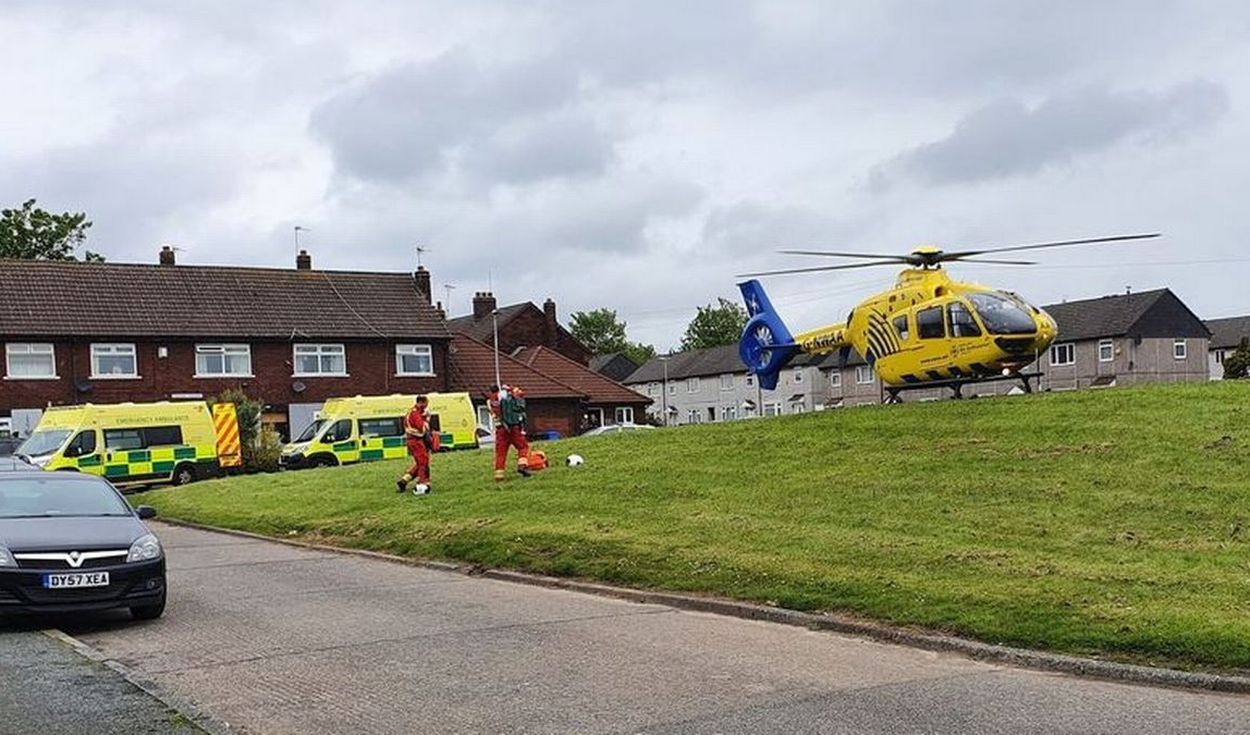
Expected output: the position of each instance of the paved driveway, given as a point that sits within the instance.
(275, 639)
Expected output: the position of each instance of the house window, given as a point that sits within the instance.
(1062, 354)
(1180, 349)
(835, 378)
(218, 361)
(863, 374)
(653, 389)
(796, 408)
(1106, 350)
(750, 381)
(692, 416)
(798, 375)
(727, 381)
(314, 360)
(692, 385)
(672, 389)
(772, 409)
(414, 360)
(1219, 357)
(29, 360)
(624, 414)
(113, 361)
(728, 413)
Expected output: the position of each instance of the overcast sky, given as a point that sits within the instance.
(637, 154)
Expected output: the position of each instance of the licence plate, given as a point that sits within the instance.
(75, 580)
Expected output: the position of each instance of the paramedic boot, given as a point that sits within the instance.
(402, 483)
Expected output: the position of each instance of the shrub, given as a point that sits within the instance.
(266, 451)
(248, 412)
(1237, 365)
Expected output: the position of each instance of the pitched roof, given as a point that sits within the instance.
(616, 365)
(483, 329)
(598, 388)
(1148, 313)
(52, 299)
(1229, 332)
(473, 370)
(697, 363)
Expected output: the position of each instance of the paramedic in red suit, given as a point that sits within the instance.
(507, 409)
(416, 430)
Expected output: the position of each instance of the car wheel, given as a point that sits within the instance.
(149, 612)
(324, 461)
(184, 474)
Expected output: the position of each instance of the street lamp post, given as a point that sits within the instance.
(664, 389)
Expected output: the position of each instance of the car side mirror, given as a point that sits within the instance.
(146, 512)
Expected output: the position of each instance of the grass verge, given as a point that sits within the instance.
(1110, 523)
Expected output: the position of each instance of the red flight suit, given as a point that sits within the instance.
(415, 427)
(505, 438)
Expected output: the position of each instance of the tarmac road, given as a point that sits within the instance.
(275, 639)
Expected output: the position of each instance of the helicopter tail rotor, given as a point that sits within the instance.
(766, 345)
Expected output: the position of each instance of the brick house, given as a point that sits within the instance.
(109, 332)
(1226, 336)
(520, 325)
(552, 405)
(607, 401)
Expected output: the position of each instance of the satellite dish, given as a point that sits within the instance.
(298, 386)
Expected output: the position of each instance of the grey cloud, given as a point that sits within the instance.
(1008, 138)
(750, 228)
(412, 120)
(563, 143)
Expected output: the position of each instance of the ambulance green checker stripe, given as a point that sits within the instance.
(393, 447)
(158, 461)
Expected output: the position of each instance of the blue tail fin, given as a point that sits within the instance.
(766, 345)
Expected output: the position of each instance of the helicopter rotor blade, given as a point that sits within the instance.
(1056, 244)
(994, 262)
(831, 254)
(817, 269)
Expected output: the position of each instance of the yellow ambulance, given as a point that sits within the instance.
(127, 443)
(371, 428)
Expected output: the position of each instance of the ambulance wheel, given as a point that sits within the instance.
(184, 474)
(324, 461)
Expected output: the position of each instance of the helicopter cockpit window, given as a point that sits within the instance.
(929, 323)
(1002, 315)
(900, 326)
(960, 321)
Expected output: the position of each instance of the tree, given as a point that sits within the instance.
(1237, 365)
(604, 333)
(31, 233)
(715, 325)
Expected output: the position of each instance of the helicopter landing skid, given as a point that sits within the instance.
(957, 385)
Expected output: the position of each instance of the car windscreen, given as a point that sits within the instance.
(43, 442)
(58, 497)
(313, 429)
(1001, 315)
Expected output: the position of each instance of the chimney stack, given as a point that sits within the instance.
(423, 284)
(483, 304)
(167, 255)
(303, 261)
(551, 327)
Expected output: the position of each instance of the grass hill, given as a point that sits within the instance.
(1113, 523)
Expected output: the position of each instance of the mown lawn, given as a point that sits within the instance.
(1112, 523)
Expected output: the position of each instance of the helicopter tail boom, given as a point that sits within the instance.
(766, 345)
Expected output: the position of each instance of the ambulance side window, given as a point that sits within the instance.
(82, 445)
(381, 427)
(162, 436)
(340, 431)
(121, 440)
(929, 323)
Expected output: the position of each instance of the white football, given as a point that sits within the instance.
(420, 489)
(574, 460)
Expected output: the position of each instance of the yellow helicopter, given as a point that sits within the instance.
(928, 331)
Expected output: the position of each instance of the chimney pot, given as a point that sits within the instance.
(168, 256)
(483, 304)
(303, 261)
(550, 324)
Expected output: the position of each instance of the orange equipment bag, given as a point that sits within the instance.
(538, 459)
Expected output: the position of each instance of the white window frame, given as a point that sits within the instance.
(624, 414)
(653, 389)
(1071, 349)
(750, 381)
(730, 377)
(694, 416)
(729, 413)
(1219, 357)
(234, 349)
(772, 409)
(863, 375)
(114, 348)
(28, 348)
(798, 375)
(797, 408)
(835, 378)
(411, 350)
(1180, 349)
(692, 385)
(320, 351)
(672, 387)
(1109, 346)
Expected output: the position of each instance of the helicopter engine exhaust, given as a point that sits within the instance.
(766, 345)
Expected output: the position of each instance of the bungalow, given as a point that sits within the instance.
(1226, 336)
